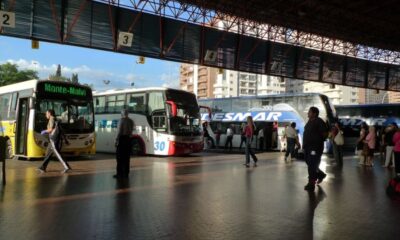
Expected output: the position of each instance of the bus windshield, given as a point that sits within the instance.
(187, 119)
(74, 116)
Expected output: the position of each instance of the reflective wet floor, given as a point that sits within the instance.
(206, 196)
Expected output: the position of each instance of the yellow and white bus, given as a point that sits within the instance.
(167, 120)
(22, 117)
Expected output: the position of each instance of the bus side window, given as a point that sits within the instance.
(120, 102)
(13, 107)
(4, 106)
(100, 104)
(136, 103)
(110, 104)
(156, 101)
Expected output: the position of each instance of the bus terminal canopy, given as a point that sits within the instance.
(336, 42)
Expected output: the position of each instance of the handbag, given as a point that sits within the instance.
(339, 140)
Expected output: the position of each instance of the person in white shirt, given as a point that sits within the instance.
(260, 137)
(291, 140)
(229, 137)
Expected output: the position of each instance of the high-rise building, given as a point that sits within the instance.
(393, 97)
(197, 79)
(207, 82)
(337, 94)
(367, 96)
(232, 84)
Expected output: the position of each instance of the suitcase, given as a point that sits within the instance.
(393, 188)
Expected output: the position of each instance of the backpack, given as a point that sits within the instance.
(58, 133)
(393, 188)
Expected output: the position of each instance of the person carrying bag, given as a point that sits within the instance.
(337, 143)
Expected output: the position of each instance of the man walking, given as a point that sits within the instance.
(123, 142)
(55, 142)
(315, 133)
(291, 141)
(229, 137)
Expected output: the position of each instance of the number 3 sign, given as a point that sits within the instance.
(125, 39)
(7, 19)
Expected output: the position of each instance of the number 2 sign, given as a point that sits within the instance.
(7, 19)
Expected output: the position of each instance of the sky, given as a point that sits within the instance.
(92, 66)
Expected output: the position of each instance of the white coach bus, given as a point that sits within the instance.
(167, 120)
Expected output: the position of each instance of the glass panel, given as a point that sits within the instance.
(13, 106)
(159, 121)
(100, 104)
(241, 105)
(111, 104)
(156, 101)
(75, 117)
(187, 120)
(136, 103)
(223, 105)
(4, 105)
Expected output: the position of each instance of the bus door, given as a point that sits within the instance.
(21, 126)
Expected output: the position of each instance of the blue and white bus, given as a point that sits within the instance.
(378, 115)
(269, 112)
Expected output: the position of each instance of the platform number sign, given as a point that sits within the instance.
(211, 56)
(125, 39)
(7, 19)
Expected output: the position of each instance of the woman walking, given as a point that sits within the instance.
(370, 140)
(360, 143)
(337, 143)
(248, 133)
(396, 150)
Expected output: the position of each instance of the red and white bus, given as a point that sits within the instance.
(167, 120)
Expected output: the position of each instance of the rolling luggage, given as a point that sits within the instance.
(393, 188)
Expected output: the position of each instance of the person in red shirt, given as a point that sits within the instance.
(396, 150)
(248, 133)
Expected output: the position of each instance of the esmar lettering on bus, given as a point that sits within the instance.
(218, 116)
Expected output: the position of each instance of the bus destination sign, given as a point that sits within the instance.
(65, 90)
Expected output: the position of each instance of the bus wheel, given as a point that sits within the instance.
(137, 148)
(9, 152)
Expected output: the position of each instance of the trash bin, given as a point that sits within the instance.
(3, 150)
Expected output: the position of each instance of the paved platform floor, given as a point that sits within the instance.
(206, 196)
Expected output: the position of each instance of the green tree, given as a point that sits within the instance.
(58, 76)
(9, 74)
(74, 78)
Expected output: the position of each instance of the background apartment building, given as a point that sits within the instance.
(197, 79)
(232, 84)
(393, 97)
(367, 96)
(337, 94)
(208, 82)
